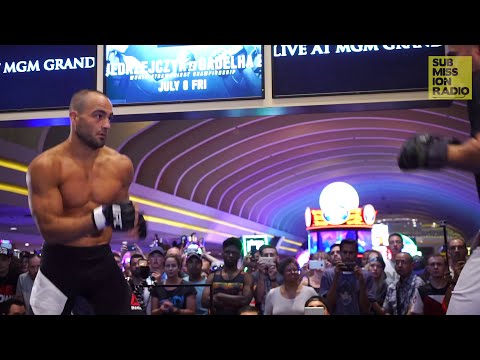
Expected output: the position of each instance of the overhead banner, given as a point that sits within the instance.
(37, 77)
(142, 74)
(312, 70)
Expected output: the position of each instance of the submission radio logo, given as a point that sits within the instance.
(450, 77)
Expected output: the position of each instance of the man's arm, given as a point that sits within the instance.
(331, 295)
(46, 205)
(465, 156)
(206, 292)
(387, 309)
(19, 292)
(242, 299)
(364, 301)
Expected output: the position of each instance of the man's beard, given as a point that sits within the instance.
(90, 141)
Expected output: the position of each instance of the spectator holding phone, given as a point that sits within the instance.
(317, 264)
(266, 277)
(349, 289)
(250, 260)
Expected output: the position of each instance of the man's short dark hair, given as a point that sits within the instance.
(233, 241)
(409, 256)
(334, 245)
(395, 234)
(7, 304)
(348, 242)
(267, 246)
(134, 256)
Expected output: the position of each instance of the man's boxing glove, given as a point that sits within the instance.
(120, 217)
(425, 151)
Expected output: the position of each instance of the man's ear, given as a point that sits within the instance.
(73, 115)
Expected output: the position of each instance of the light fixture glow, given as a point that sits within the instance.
(24, 191)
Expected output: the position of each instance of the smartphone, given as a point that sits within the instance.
(131, 248)
(314, 310)
(267, 260)
(253, 250)
(142, 262)
(316, 264)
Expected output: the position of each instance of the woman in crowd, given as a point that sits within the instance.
(376, 265)
(290, 297)
(169, 298)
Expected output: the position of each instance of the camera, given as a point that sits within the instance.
(316, 264)
(143, 268)
(349, 266)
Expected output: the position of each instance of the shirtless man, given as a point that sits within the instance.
(78, 193)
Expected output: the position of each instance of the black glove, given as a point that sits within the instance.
(425, 151)
(120, 217)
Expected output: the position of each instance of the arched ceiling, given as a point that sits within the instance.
(268, 169)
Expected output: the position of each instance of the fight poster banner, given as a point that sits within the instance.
(139, 74)
(450, 77)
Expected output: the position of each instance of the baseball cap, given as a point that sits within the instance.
(159, 249)
(6, 249)
(193, 254)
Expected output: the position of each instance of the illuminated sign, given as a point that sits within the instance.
(253, 240)
(339, 203)
(369, 214)
(136, 74)
(379, 235)
(308, 217)
(312, 70)
(354, 219)
(36, 77)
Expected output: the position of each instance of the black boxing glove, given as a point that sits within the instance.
(120, 217)
(425, 151)
(142, 227)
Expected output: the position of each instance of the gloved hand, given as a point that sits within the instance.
(120, 217)
(425, 151)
